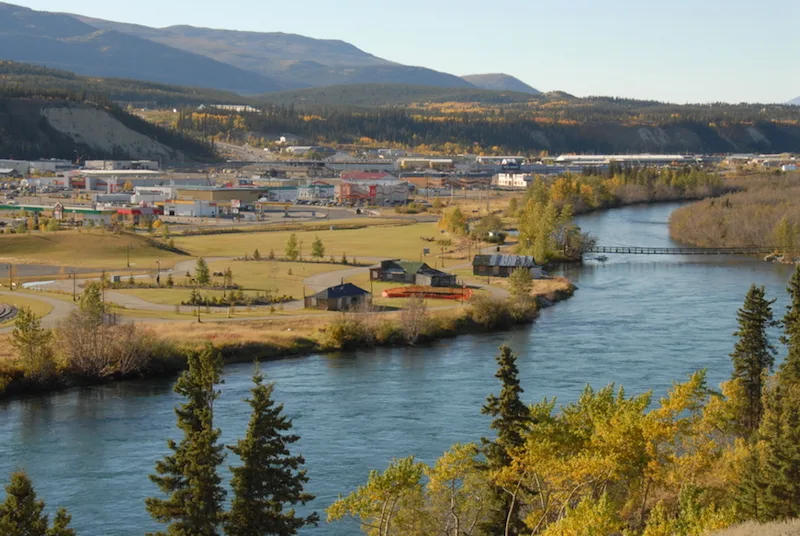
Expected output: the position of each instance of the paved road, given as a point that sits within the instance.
(61, 309)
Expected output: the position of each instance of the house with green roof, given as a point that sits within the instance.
(415, 273)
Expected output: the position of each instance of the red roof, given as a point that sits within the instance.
(365, 175)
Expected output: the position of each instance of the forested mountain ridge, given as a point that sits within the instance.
(56, 124)
(63, 42)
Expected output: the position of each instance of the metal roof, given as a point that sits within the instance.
(340, 291)
(511, 261)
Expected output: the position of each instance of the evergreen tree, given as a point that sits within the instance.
(749, 496)
(510, 416)
(790, 369)
(520, 284)
(201, 272)
(189, 474)
(22, 514)
(292, 250)
(780, 435)
(270, 478)
(256, 255)
(753, 355)
(92, 307)
(317, 248)
(33, 344)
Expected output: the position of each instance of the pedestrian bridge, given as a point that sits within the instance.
(636, 250)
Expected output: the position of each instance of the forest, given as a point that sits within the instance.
(764, 213)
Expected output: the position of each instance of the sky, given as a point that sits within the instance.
(669, 50)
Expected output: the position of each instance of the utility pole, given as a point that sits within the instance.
(158, 272)
(74, 293)
(129, 255)
(10, 276)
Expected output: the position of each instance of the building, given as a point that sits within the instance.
(426, 163)
(150, 195)
(191, 209)
(210, 193)
(344, 297)
(513, 180)
(300, 150)
(375, 176)
(317, 190)
(417, 273)
(503, 265)
(280, 194)
(121, 165)
(372, 192)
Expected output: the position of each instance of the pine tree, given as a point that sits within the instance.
(256, 255)
(34, 345)
(510, 416)
(780, 435)
(317, 248)
(269, 479)
(749, 496)
(189, 475)
(292, 250)
(201, 272)
(22, 514)
(92, 307)
(753, 355)
(790, 368)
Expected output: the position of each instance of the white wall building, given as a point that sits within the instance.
(513, 180)
(191, 209)
(124, 165)
(150, 195)
(316, 191)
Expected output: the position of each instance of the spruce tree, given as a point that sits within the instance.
(753, 355)
(292, 250)
(780, 435)
(510, 416)
(189, 474)
(201, 272)
(269, 483)
(22, 514)
(790, 368)
(317, 248)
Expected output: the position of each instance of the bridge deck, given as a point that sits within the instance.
(635, 250)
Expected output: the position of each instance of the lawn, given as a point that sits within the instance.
(401, 241)
(86, 248)
(285, 278)
(38, 307)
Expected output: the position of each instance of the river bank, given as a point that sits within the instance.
(269, 340)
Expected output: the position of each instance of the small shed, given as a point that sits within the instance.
(344, 297)
(504, 265)
(417, 273)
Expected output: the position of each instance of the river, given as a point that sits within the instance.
(639, 321)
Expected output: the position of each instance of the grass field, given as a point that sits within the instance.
(39, 308)
(396, 241)
(86, 248)
(274, 275)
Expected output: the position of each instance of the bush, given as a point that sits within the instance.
(491, 313)
(346, 332)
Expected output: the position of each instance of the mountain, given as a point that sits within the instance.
(374, 95)
(500, 82)
(796, 101)
(142, 94)
(64, 42)
(296, 60)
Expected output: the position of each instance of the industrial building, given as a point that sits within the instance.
(121, 165)
(191, 209)
(513, 180)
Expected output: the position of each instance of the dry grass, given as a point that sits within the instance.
(38, 307)
(86, 248)
(787, 528)
(396, 241)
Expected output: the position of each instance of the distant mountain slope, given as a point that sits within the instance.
(500, 82)
(63, 42)
(390, 95)
(27, 75)
(296, 60)
(796, 101)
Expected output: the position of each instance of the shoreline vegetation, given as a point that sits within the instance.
(764, 212)
(86, 350)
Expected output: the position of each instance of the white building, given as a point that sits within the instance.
(789, 167)
(316, 191)
(150, 195)
(513, 180)
(112, 165)
(191, 209)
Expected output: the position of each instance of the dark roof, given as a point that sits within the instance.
(340, 291)
(410, 267)
(511, 261)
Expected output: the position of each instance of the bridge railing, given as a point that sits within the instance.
(638, 250)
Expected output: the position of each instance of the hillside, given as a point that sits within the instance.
(14, 74)
(390, 95)
(500, 82)
(295, 60)
(51, 127)
(63, 42)
(796, 101)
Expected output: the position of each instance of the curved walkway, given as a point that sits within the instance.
(61, 309)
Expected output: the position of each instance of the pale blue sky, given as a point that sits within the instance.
(674, 50)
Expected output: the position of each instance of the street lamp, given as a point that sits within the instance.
(74, 294)
(158, 272)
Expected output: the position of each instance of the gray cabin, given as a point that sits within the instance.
(344, 297)
(503, 265)
(415, 273)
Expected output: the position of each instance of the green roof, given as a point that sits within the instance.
(411, 267)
